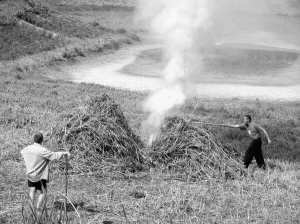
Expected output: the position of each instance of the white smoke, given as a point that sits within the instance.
(180, 24)
(188, 25)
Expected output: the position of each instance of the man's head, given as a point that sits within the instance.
(247, 119)
(38, 138)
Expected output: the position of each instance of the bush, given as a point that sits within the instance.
(37, 8)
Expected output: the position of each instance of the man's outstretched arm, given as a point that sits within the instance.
(233, 125)
(49, 155)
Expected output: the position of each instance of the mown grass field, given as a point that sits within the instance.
(31, 102)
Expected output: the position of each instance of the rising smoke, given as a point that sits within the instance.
(180, 24)
(186, 26)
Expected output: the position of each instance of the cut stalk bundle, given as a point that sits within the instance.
(192, 151)
(99, 138)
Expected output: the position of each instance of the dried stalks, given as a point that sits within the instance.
(193, 152)
(100, 138)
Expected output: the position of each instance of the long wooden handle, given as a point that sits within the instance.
(66, 187)
(221, 125)
(66, 175)
(212, 124)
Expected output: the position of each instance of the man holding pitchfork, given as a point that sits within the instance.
(254, 130)
(254, 149)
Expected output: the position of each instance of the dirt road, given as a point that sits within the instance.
(139, 67)
(108, 70)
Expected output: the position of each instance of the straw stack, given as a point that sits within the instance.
(99, 138)
(192, 151)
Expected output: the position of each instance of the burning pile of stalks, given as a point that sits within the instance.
(99, 138)
(193, 152)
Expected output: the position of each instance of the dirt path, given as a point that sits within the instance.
(107, 70)
(134, 67)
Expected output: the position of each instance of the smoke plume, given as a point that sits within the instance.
(188, 25)
(181, 25)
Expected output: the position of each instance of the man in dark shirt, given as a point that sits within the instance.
(254, 149)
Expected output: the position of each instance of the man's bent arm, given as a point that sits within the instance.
(264, 131)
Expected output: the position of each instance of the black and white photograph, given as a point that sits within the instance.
(149, 111)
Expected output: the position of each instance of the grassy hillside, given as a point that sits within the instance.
(59, 31)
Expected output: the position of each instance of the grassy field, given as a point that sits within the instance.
(30, 102)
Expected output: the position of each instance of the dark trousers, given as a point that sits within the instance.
(254, 150)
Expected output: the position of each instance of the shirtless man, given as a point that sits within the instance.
(254, 149)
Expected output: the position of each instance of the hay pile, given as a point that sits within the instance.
(99, 138)
(193, 152)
